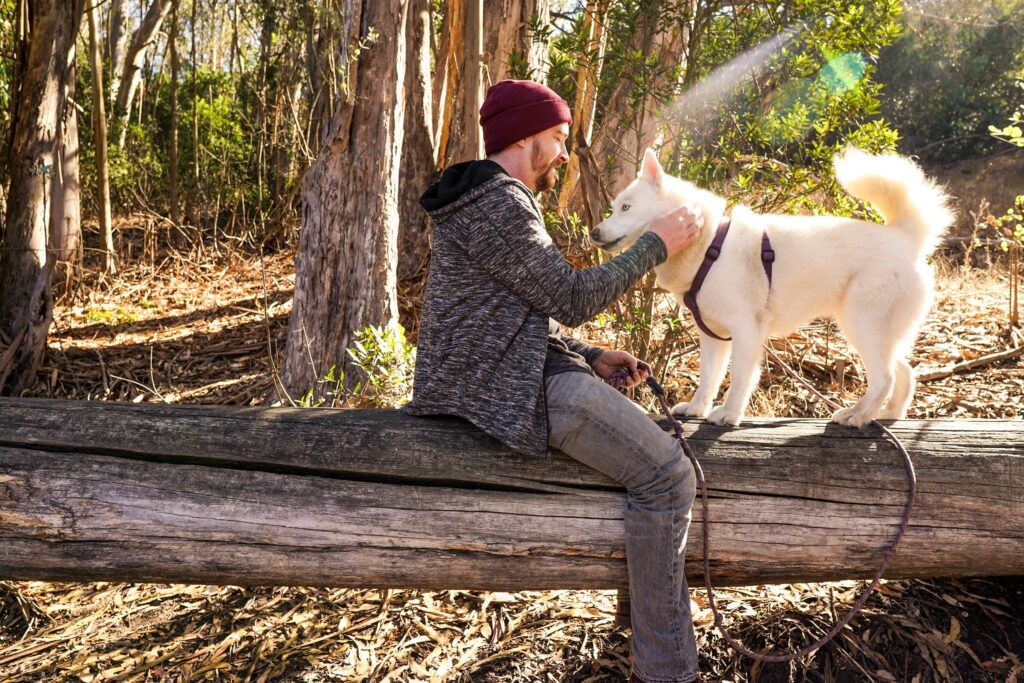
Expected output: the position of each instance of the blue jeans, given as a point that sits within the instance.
(596, 425)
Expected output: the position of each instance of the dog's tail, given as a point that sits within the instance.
(901, 192)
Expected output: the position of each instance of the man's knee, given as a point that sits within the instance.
(675, 482)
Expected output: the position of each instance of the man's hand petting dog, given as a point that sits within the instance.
(677, 229)
(620, 369)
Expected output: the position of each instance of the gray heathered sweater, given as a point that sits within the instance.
(495, 281)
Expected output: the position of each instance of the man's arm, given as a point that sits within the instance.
(510, 243)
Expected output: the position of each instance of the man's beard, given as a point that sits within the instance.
(545, 173)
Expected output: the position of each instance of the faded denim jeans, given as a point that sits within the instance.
(596, 425)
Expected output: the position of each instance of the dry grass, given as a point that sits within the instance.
(203, 331)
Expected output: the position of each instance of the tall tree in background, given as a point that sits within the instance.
(117, 45)
(134, 60)
(99, 121)
(36, 216)
(418, 166)
(482, 42)
(345, 266)
(510, 50)
(654, 59)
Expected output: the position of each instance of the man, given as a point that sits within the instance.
(490, 351)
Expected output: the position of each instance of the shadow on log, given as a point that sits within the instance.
(373, 498)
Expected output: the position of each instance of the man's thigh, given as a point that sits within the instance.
(595, 424)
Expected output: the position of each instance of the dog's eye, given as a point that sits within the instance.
(625, 207)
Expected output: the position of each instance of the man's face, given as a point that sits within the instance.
(547, 153)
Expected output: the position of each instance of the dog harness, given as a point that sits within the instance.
(710, 256)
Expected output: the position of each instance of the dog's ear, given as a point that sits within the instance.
(650, 168)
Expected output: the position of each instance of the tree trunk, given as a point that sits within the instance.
(36, 210)
(587, 78)
(99, 119)
(249, 496)
(417, 168)
(509, 49)
(470, 141)
(175, 208)
(627, 127)
(66, 235)
(117, 46)
(346, 263)
(135, 59)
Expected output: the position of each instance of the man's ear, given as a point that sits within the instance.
(650, 168)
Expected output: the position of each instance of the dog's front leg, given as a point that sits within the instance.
(746, 370)
(713, 356)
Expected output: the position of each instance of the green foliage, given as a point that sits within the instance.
(7, 49)
(771, 144)
(1010, 225)
(386, 362)
(952, 74)
(1012, 132)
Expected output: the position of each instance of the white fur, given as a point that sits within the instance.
(872, 278)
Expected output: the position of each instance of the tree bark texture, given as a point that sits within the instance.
(99, 119)
(418, 168)
(135, 59)
(587, 76)
(117, 45)
(629, 125)
(506, 32)
(172, 161)
(346, 263)
(479, 38)
(36, 213)
(202, 494)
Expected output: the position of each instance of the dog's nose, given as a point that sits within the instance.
(595, 235)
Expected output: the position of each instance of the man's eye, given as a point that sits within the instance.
(625, 207)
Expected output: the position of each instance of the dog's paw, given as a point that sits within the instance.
(691, 409)
(851, 417)
(724, 416)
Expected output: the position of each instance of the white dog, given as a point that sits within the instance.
(872, 278)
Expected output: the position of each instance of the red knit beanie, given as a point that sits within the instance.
(514, 110)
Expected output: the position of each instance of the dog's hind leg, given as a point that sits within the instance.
(713, 356)
(871, 334)
(746, 370)
(902, 392)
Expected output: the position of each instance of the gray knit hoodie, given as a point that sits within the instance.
(495, 281)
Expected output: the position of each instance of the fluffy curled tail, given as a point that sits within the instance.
(899, 189)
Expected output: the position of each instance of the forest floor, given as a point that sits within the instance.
(204, 329)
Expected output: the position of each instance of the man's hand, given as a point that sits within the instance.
(677, 229)
(619, 369)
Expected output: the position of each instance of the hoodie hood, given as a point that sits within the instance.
(457, 180)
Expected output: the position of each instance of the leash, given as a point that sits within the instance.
(887, 552)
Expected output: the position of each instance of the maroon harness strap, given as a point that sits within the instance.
(710, 256)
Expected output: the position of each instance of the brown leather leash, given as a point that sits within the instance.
(887, 552)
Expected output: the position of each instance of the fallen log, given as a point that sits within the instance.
(260, 496)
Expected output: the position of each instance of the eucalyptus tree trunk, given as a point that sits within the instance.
(470, 142)
(418, 167)
(509, 49)
(483, 42)
(172, 40)
(131, 74)
(36, 206)
(66, 235)
(346, 263)
(99, 121)
(630, 125)
(587, 77)
(117, 45)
